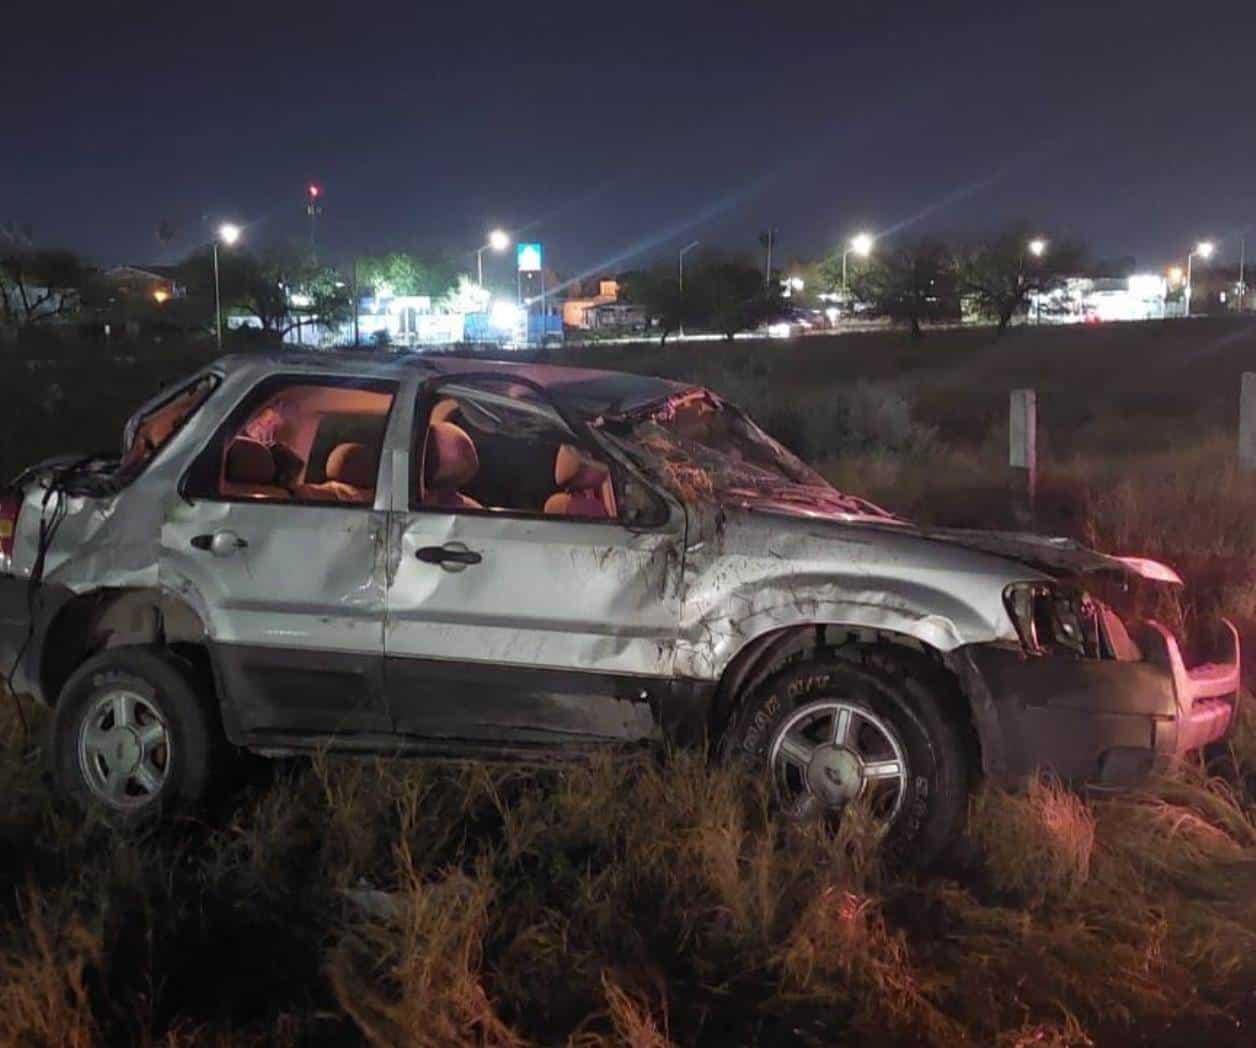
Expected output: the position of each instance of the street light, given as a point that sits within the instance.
(498, 240)
(861, 245)
(1204, 250)
(1036, 247)
(228, 233)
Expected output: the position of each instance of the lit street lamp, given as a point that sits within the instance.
(228, 233)
(1036, 247)
(498, 240)
(1204, 250)
(861, 245)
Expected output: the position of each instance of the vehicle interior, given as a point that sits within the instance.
(308, 443)
(501, 450)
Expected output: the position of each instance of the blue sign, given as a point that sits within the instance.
(528, 258)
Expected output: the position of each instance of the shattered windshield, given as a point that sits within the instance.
(704, 447)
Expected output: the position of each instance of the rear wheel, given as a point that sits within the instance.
(830, 732)
(135, 734)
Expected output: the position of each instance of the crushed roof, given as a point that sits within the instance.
(585, 391)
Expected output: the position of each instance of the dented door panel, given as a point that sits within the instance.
(586, 599)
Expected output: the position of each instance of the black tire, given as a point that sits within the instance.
(935, 796)
(193, 739)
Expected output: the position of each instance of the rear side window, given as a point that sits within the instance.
(152, 431)
(299, 439)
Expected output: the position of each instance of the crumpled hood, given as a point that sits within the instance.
(1051, 555)
(1054, 555)
(805, 500)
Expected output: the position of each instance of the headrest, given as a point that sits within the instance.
(576, 471)
(444, 411)
(450, 459)
(352, 464)
(249, 462)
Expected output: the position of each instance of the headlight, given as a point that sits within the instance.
(1055, 620)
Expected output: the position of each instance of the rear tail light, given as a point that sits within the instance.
(10, 506)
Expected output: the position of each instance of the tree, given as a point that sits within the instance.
(1001, 273)
(657, 291)
(910, 282)
(466, 297)
(730, 296)
(406, 273)
(284, 288)
(37, 285)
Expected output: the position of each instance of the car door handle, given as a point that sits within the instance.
(220, 543)
(451, 554)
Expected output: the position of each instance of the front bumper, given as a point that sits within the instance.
(14, 626)
(1101, 722)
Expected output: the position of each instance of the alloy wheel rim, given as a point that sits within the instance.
(832, 752)
(124, 749)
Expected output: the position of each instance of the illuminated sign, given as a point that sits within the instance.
(528, 258)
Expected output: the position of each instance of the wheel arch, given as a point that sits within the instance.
(82, 624)
(944, 675)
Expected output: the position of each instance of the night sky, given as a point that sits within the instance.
(614, 132)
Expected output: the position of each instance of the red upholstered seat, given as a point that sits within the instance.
(249, 472)
(450, 462)
(351, 472)
(586, 486)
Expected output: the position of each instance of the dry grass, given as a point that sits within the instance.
(44, 997)
(644, 902)
(1037, 846)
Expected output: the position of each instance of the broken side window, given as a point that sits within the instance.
(148, 433)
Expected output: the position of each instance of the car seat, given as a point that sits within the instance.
(585, 483)
(450, 462)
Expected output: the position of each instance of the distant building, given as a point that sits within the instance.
(603, 311)
(144, 283)
(1078, 300)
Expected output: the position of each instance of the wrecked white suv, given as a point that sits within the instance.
(432, 555)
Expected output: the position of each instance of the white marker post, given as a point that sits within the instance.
(1023, 452)
(1247, 422)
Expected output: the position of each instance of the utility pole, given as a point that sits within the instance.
(768, 237)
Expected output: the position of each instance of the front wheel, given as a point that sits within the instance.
(830, 732)
(134, 735)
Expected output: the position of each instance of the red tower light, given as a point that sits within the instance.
(314, 190)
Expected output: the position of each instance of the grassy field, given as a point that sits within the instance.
(658, 901)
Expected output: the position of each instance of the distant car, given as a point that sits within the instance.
(791, 322)
(428, 555)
